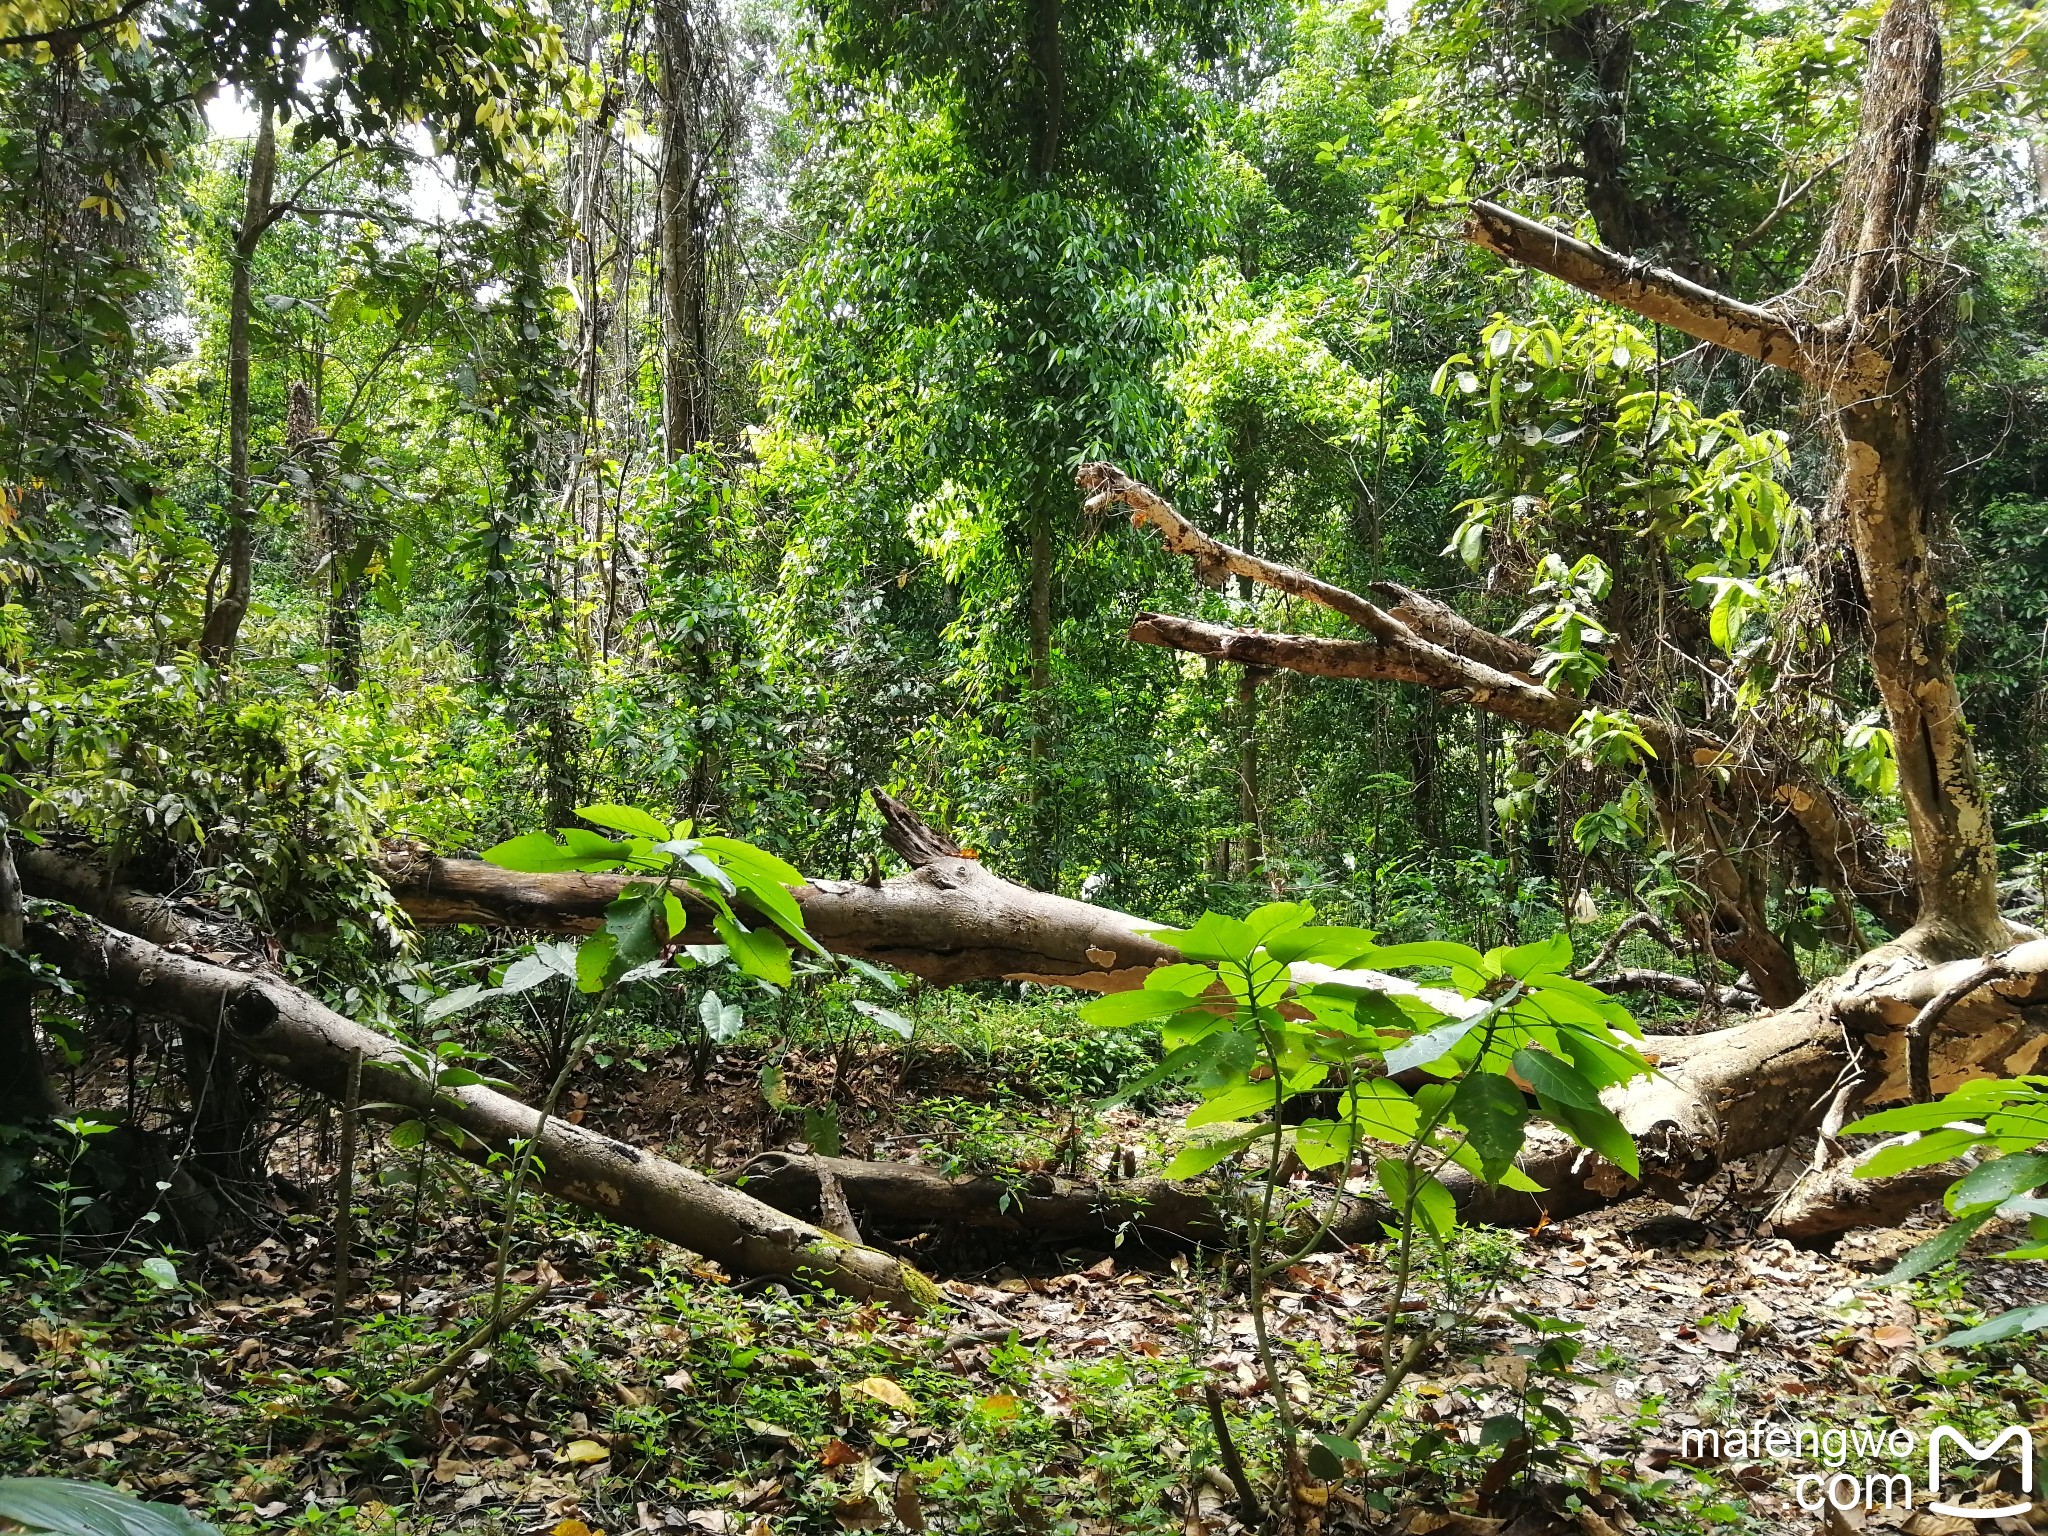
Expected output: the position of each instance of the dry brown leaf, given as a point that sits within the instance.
(837, 1453)
(908, 1507)
(888, 1393)
(860, 1514)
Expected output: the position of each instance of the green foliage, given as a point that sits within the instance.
(643, 927)
(1533, 1030)
(1579, 442)
(2003, 1122)
(65, 1507)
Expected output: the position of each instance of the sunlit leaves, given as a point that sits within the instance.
(647, 919)
(1251, 1035)
(2003, 1121)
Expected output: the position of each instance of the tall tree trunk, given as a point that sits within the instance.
(1050, 67)
(224, 622)
(1425, 765)
(331, 530)
(1602, 48)
(690, 76)
(26, 1091)
(1248, 809)
(1047, 61)
(1889, 489)
(1038, 683)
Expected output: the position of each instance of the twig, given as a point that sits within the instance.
(1396, 1374)
(345, 1196)
(1920, 1033)
(1639, 922)
(1249, 1510)
(1683, 988)
(478, 1337)
(1859, 1075)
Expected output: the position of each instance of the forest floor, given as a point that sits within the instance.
(1062, 1392)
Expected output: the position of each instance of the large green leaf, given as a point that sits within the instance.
(1934, 1147)
(887, 1018)
(1995, 1182)
(1433, 1206)
(1381, 1110)
(759, 951)
(594, 961)
(535, 853)
(2004, 1326)
(88, 1509)
(1495, 1117)
(1907, 1117)
(1198, 1055)
(1193, 1160)
(744, 858)
(1595, 1128)
(1421, 1050)
(627, 819)
(1244, 1100)
(1466, 965)
(636, 938)
(1319, 1143)
(1600, 1063)
(1335, 947)
(1114, 1010)
(1555, 1079)
(1545, 957)
(1213, 937)
(1937, 1250)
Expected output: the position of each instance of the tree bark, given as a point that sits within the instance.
(224, 622)
(1249, 815)
(1719, 1096)
(1050, 66)
(1603, 47)
(27, 1093)
(690, 73)
(302, 1040)
(1876, 357)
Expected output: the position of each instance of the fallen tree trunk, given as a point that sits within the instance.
(1718, 1096)
(305, 1042)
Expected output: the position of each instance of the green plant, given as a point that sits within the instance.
(2003, 1122)
(65, 1507)
(73, 1198)
(1235, 1020)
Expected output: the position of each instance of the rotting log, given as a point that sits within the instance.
(308, 1043)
